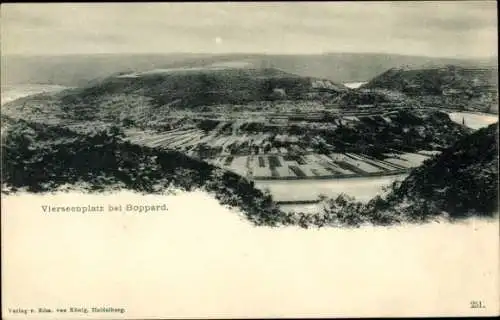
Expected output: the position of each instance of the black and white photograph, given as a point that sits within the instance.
(249, 159)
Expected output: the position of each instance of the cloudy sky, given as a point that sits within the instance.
(452, 29)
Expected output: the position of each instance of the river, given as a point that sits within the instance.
(474, 120)
(13, 92)
(363, 189)
(354, 85)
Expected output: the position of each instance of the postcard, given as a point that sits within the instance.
(249, 160)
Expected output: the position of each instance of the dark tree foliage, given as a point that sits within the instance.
(41, 158)
(208, 124)
(462, 181)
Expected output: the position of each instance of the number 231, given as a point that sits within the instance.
(476, 304)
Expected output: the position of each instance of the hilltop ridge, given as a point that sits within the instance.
(450, 86)
(191, 87)
(435, 80)
(77, 70)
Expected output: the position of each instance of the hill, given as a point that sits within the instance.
(77, 70)
(462, 181)
(436, 81)
(192, 87)
(160, 91)
(452, 86)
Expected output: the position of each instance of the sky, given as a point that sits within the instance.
(441, 29)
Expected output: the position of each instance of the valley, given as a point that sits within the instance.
(297, 138)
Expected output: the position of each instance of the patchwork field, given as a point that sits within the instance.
(316, 166)
(250, 155)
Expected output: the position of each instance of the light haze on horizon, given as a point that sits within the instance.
(462, 29)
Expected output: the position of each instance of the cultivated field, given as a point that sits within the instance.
(251, 155)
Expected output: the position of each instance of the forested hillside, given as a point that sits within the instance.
(43, 158)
